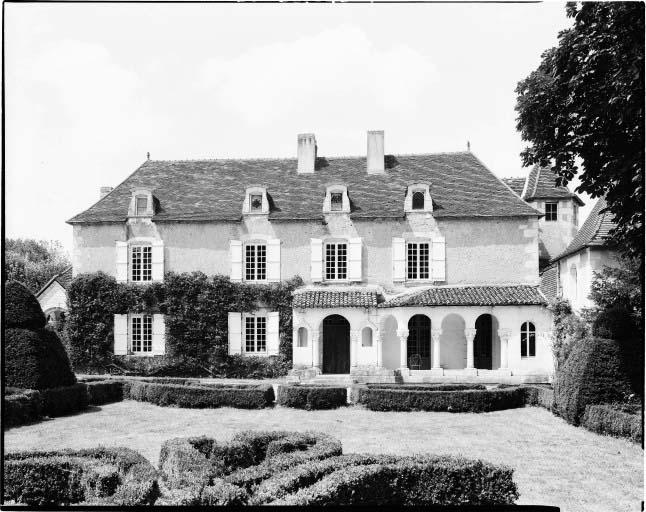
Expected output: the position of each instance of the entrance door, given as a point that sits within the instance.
(336, 345)
(482, 346)
(419, 343)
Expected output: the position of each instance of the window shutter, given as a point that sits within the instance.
(159, 335)
(399, 259)
(317, 259)
(273, 260)
(235, 333)
(273, 334)
(121, 262)
(158, 260)
(354, 259)
(120, 335)
(236, 260)
(439, 262)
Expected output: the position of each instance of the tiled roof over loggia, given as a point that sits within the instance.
(212, 190)
(594, 232)
(549, 281)
(512, 295)
(364, 298)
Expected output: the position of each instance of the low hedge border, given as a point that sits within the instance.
(21, 406)
(312, 397)
(451, 401)
(64, 400)
(98, 476)
(105, 391)
(610, 420)
(539, 396)
(200, 396)
(410, 481)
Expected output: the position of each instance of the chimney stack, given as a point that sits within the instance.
(105, 191)
(375, 158)
(306, 153)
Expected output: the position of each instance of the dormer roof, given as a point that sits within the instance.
(213, 190)
(540, 184)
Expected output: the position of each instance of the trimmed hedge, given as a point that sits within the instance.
(428, 387)
(105, 391)
(99, 476)
(411, 481)
(252, 396)
(594, 373)
(21, 308)
(21, 406)
(311, 397)
(607, 419)
(452, 401)
(539, 396)
(64, 400)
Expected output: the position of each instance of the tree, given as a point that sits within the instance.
(618, 287)
(33, 262)
(584, 105)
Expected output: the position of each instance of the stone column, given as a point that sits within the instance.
(316, 350)
(435, 335)
(504, 335)
(380, 348)
(470, 334)
(355, 339)
(403, 344)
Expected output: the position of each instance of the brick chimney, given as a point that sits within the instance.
(375, 158)
(105, 191)
(306, 153)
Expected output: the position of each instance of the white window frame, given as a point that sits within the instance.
(131, 263)
(554, 214)
(257, 270)
(142, 319)
(258, 324)
(335, 275)
(525, 333)
(418, 253)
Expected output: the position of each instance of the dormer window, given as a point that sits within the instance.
(141, 204)
(418, 198)
(256, 201)
(336, 199)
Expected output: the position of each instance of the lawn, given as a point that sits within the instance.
(555, 463)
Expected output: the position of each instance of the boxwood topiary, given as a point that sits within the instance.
(594, 373)
(311, 397)
(21, 308)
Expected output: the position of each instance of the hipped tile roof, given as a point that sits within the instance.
(213, 190)
(514, 295)
(541, 184)
(594, 232)
(336, 299)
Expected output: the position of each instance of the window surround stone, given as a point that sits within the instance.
(150, 206)
(408, 201)
(327, 202)
(255, 190)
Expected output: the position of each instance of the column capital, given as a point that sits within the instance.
(504, 334)
(402, 333)
(355, 333)
(435, 334)
(470, 333)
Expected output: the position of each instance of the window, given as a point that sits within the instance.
(551, 210)
(141, 205)
(302, 337)
(418, 200)
(255, 200)
(366, 337)
(255, 334)
(336, 201)
(527, 340)
(141, 337)
(336, 261)
(141, 263)
(418, 260)
(255, 262)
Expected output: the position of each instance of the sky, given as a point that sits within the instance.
(91, 88)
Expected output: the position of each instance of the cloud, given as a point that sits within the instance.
(313, 79)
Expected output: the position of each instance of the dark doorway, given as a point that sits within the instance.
(482, 343)
(336, 345)
(418, 349)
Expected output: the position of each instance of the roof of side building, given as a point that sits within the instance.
(211, 190)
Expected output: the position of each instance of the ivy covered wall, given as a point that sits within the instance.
(196, 308)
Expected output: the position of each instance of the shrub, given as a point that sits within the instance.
(428, 387)
(100, 476)
(451, 401)
(36, 359)
(610, 420)
(615, 323)
(64, 400)
(411, 481)
(311, 397)
(103, 392)
(539, 396)
(21, 309)
(569, 330)
(593, 374)
(255, 396)
(21, 406)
